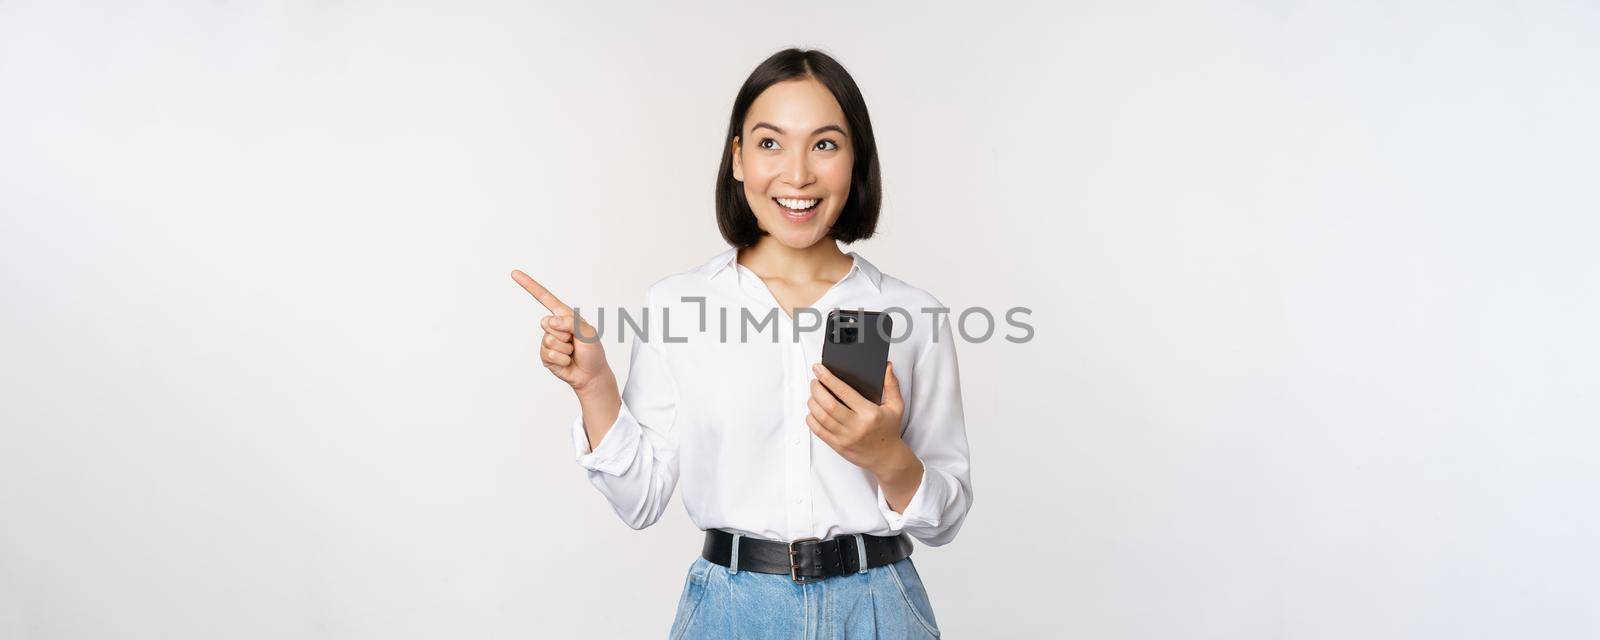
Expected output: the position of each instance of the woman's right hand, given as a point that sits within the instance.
(576, 362)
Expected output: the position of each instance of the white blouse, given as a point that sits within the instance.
(726, 416)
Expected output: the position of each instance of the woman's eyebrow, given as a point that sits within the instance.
(826, 127)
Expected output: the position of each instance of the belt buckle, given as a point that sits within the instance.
(794, 567)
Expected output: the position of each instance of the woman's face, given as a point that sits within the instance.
(794, 158)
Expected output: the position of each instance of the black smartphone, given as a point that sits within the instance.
(856, 349)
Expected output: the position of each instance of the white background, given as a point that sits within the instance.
(1314, 288)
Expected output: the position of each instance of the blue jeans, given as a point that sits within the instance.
(883, 602)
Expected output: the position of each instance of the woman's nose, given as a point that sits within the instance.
(799, 173)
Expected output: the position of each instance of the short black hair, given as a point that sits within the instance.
(859, 218)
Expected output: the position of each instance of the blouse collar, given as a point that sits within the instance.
(724, 262)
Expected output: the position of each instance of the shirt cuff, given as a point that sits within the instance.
(920, 511)
(617, 449)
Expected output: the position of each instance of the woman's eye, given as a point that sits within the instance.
(834, 145)
(764, 141)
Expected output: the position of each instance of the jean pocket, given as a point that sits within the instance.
(916, 596)
(694, 590)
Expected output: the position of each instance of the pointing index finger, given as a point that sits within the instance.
(543, 295)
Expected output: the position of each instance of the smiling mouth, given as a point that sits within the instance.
(797, 208)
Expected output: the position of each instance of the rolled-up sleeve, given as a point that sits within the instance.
(935, 429)
(635, 465)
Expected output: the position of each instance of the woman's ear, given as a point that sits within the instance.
(738, 169)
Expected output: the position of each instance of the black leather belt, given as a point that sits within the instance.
(807, 559)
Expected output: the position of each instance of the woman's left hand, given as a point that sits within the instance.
(865, 433)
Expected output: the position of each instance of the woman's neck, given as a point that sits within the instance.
(772, 259)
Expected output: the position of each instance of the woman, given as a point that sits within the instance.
(806, 490)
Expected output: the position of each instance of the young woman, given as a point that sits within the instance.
(806, 490)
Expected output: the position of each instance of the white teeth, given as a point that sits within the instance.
(798, 205)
